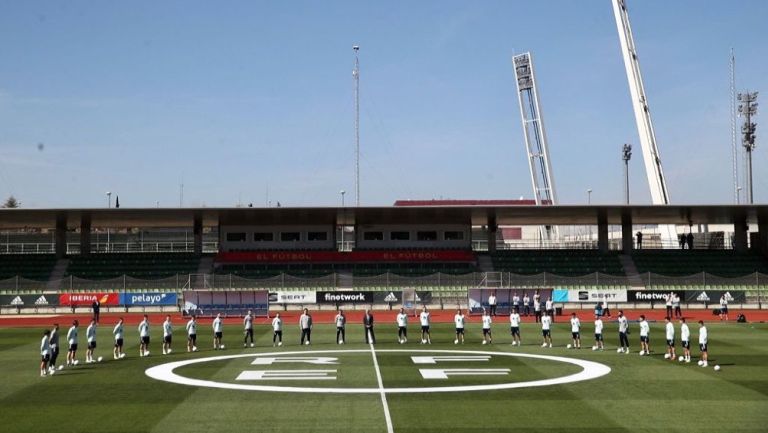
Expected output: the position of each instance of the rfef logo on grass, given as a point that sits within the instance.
(429, 371)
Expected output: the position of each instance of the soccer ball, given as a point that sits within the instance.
(456, 341)
(251, 344)
(567, 346)
(222, 347)
(54, 371)
(75, 362)
(642, 352)
(619, 350)
(307, 343)
(717, 368)
(680, 358)
(100, 358)
(700, 363)
(61, 367)
(169, 351)
(281, 343)
(194, 348)
(423, 341)
(594, 347)
(666, 356)
(485, 342)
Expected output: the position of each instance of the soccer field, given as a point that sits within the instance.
(342, 387)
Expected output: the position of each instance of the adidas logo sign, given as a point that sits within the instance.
(41, 300)
(17, 301)
(703, 297)
(390, 298)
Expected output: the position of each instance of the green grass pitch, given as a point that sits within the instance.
(639, 394)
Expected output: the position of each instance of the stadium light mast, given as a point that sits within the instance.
(626, 155)
(747, 109)
(535, 137)
(356, 77)
(734, 140)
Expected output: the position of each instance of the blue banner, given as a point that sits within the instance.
(559, 295)
(148, 299)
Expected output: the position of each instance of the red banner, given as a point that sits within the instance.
(344, 257)
(111, 298)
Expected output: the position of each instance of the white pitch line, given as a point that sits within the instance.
(387, 417)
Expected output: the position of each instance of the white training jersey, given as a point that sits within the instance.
(526, 300)
(402, 320)
(459, 320)
(492, 300)
(670, 331)
(167, 328)
(341, 321)
(623, 324)
(546, 323)
(644, 328)
(305, 321)
(424, 318)
(675, 301)
(118, 331)
(45, 346)
(549, 305)
(536, 306)
(514, 320)
(723, 301)
(248, 322)
(575, 324)
(703, 335)
(598, 326)
(191, 327)
(144, 329)
(668, 300)
(515, 300)
(218, 326)
(277, 324)
(72, 335)
(685, 333)
(90, 333)
(487, 322)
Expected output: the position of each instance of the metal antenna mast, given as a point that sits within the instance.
(748, 108)
(535, 136)
(734, 145)
(356, 76)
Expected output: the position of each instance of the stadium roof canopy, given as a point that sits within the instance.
(465, 214)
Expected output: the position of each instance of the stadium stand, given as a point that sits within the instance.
(31, 266)
(723, 263)
(558, 262)
(137, 265)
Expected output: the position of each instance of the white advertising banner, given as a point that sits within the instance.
(293, 297)
(595, 295)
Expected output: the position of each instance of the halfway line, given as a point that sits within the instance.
(387, 417)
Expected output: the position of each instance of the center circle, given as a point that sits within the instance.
(166, 373)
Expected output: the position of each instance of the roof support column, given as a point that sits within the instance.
(85, 234)
(602, 231)
(740, 229)
(762, 233)
(492, 229)
(61, 235)
(626, 233)
(197, 231)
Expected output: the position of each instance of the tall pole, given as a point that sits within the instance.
(734, 145)
(356, 76)
(626, 155)
(748, 108)
(589, 196)
(343, 217)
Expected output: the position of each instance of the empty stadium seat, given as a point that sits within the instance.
(559, 262)
(147, 266)
(31, 266)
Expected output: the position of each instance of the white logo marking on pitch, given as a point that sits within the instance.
(443, 373)
(436, 359)
(316, 360)
(287, 375)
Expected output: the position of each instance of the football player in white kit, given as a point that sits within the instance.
(670, 334)
(218, 332)
(424, 318)
(703, 339)
(90, 336)
(402, 327)
(546, 330)
(459, 320)
(514, 328)
(72, 342)
(599, 345)
(341, 327)
(144, 337)
(685, 340)
(645, 338)
(192, 335)
(487, 321)
(248, 328)
(167, 335)
(117, 332)
(623, 332)
(45, 353)
(575, 331)
(277, 330)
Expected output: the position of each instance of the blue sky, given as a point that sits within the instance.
(237, 98)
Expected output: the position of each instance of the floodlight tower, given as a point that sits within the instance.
(747, 109)
(535, 136)
(356, 77)
(626, 155)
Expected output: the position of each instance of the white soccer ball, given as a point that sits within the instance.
(717, 368)
(122, 355)
(567, 346)
(194, 348)
(280, 343)
(423, 341)
(61, 367)
(251, 344)
(666, 356)
(75, 362)
(100, 358)
(485, 342)
(54, 371)
(594, 347)
(456, 341)
(307, 343)
(642, 352)
(146, 353)
(222, 347)
(680, 358)
(700, 363)
(619, 350)
(169, 351)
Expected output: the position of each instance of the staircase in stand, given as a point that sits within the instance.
(485, 263)
(57, 274)
(631, 271)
